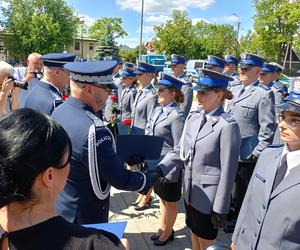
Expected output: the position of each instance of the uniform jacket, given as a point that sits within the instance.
(210, 164)
(78, 203)
(188, 94)
(43, 97)
(127, 98)
(142, 109)
(236, 81)
(270, 220)
(169, 125)
(255, 113)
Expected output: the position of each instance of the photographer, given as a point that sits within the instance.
(8, 93)
(30, 74)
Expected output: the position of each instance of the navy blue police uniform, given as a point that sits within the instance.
(95, 165)
(45, 96)
(186, 87)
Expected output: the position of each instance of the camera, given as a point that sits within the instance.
(19, 84)
(38, 74)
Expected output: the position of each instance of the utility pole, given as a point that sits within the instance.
(238, 32)
(141, 32)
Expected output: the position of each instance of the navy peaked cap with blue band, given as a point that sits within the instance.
(291, 102)
(210, 80)
(231, 59)
(278, 66)
(145, 68)
(177, 59)
(127, 73)
(57, 60)
(168, 81)
(268, 68)
(250, 60)
(94, 73)
(128, 65)
(114, 58)
(215, 61)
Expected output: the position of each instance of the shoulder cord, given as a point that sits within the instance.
(93, 160)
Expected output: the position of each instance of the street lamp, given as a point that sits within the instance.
(238, 31)
(81, 37)
(141, 32)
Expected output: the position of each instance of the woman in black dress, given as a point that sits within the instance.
(34, 164)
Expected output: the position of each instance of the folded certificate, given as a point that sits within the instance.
(116, 228)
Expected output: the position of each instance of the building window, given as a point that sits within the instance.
(91, 46)
(77, 46)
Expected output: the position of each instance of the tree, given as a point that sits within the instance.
(250, 43)
(180, 36)
(175, 35)
(215, 39)
(131, 55)
(42, 26)
(106, 30)
(276, 24)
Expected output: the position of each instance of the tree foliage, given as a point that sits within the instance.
(38, 26)
(106, 30)
(276, 24)
(180, 36)
(131, 55)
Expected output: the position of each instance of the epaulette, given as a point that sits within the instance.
(57, 102)
(275, 145)
(227, 117)
(264, 87)
(97, 121)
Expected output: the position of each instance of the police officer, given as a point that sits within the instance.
(268, 77)
(167, 121)
(178, 64)
(128, 94)
(253, 109)
(269, 217)
(45, 95)
(95, 165)
(215, 63)
(209, 149)
(230, 69)
(145, 100)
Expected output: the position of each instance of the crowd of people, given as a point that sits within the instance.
(58, 157)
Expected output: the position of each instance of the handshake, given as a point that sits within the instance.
(154, 174)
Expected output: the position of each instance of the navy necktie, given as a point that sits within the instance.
(242, 91)
(281, 171)
(204, 120)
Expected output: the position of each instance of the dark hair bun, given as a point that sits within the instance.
(8, 187)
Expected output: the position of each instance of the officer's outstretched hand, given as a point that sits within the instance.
(252, 158)
(218, 220)
(152, 175)
(135, 159)
(156, 174)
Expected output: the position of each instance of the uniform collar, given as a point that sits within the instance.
(293, 158)
(51, 84)
(79, 104)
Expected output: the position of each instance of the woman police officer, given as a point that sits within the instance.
(167, 121)
(209, 148)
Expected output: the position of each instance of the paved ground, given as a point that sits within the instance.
(141, 225)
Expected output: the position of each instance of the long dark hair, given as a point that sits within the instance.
(30, 142)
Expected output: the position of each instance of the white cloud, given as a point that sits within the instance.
(157, 19)
(227, 19)
(196, 20)
(163, 6)
(146, 29)
(87, 19)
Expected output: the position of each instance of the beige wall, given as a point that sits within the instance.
(87, 53)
